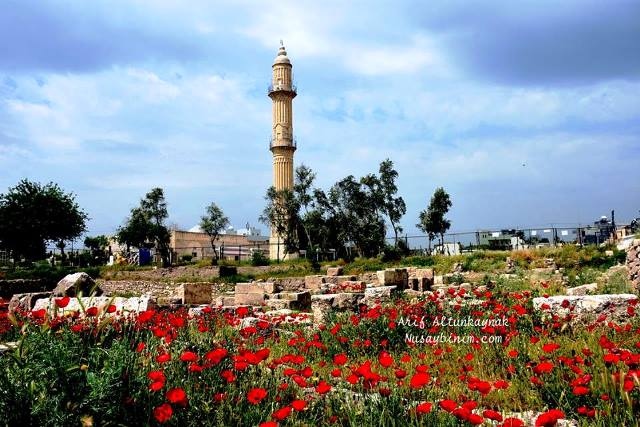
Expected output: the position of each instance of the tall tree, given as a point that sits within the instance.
(432, 220)
(212, 223)
(282, 214)
(32, 214)
(393, 207)
(303, 193)
(146, 227)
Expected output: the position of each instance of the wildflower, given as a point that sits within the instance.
(163, 413)
(340, 359)
(420, 379)
(189, 356)
(448, 405)
(423, 408)
(255, 395)
(62, 302)
(177, 396)
(282, 413)
(492, 415)
(549, 418)
(299, 404)
(323, 387)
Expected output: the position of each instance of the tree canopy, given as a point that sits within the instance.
(432, 220)
(212, 223)
(145, 227)
(350, 215)
(32, 214)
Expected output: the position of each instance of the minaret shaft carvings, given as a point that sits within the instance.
(283, 145)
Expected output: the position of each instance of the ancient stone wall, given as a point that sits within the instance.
(633, 263)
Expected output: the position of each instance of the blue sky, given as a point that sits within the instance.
(527, 113)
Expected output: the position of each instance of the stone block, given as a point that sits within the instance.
(73, 284)
(379, 293)
(421, 279)
(256, 287)
(583, 290)
(26, 301)
(196, 293)
(122, 305)
(334, 271)
(393, 277)
(586, 307)
(314, 282)
(249, 299)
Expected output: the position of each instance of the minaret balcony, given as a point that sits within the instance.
(285, 143)
(292, 89)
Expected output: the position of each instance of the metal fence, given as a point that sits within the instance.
(514, 238)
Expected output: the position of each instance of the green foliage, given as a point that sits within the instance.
(32, 214)
(259, 259)
(145, 226)
(212, 223)
(432, 220)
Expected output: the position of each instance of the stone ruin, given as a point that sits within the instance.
(633, 263)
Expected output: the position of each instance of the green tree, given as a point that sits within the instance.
(97, 245)
(146, 227)
(32, 214)
(432, 220)
(382, 191)
(282, 214)
(212, 223)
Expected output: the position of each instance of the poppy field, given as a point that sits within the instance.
(481, 357)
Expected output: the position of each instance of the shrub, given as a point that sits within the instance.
(259, 259)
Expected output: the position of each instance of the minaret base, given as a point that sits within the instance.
(274, 242)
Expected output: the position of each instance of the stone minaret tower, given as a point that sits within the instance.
(282, 145)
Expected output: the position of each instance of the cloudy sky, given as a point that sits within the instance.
(527, 113)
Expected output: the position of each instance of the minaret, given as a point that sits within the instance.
(282, 145)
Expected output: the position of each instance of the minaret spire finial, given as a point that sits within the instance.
(281, 43)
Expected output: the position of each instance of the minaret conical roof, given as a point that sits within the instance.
(282, 56)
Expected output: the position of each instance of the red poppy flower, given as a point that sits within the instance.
(492, 415)
(543, 368)
(228, 375)
(550, 347)
(512, 422)
(163, 358)
(340, 359)
(255, 395)
(501, 384)
(282, 413)
(177, 396)
(111, 308)
(420, 379)
(189, 356)
(448, 405)
(156, 376)
(424, 408)
(385, 359)
(216, 356)
(299, 404)
(323, 387)
(62, 302)
(268, 424)
(156, 386)
(163, 413)
(92, 311)
(549, 418)
(580, 390)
